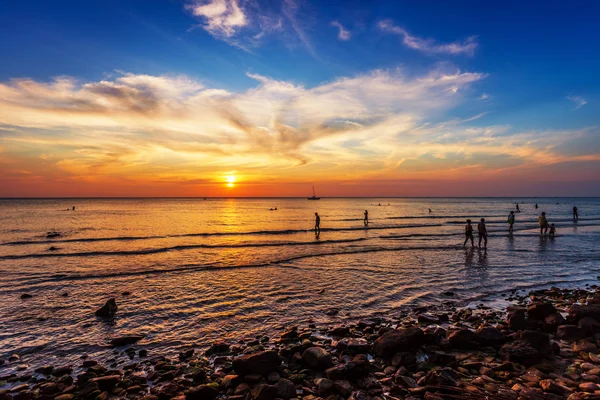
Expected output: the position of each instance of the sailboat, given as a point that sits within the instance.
(314, 196)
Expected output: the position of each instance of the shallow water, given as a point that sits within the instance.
(200, 269)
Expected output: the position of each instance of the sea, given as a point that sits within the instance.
(189, 272)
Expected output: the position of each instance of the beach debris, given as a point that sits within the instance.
(108, 310)
(26, 296)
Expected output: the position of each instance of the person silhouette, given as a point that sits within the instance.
(552, 231)
(317, 224)
(482, 233)
(366, 220)
(468, 234)
(575, 214)
(517, 207)
(543, 224)
(511, 221)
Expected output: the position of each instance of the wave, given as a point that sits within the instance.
(175, 248)
(204, 234)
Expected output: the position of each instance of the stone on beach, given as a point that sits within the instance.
(317, 357)
(125, 340)
(540, 310)
(396, 340)
(260, 363)
(108, 310)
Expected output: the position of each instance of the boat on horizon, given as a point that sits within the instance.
(314, 196)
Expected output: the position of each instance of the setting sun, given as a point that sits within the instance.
(230, 179)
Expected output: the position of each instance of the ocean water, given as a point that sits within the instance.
(199, 270)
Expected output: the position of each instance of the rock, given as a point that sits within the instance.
(317, 358)
(125, 340)
(586, 346)
(343, 387)
(107, 382)
(359, 395)
(273, 377)
(262, 363)
(45, 370)
(89, 363)
(403, 359)
(521, 352)
(391, 342)
(324, 386)
(264, 392)
(143, 353)
(518, 322)
(463, 339)
(340, 331)
(440, 377)
(589, 325)
(26, 296)
(489, 336)
(428, 319)
(550, 386)
(217, 348)
(538, 340)
(355, 345)
(202, 392)
(588, 387)
(570, 332)
(108, 310)
(60, 371)
(577, 312)
(540, 310)
(555, 320)
(286, 389)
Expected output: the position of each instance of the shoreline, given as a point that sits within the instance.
(544, 345)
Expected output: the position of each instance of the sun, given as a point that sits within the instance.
(230, 179)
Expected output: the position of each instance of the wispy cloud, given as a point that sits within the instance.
(222, 18)
(484, 96)
(430, 46)
(578, 100)
(343, 33)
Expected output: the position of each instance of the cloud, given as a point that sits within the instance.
(430, 46)
(222, 18)
(343, 34)
(376, 125)
(484, 96)
(578, 100)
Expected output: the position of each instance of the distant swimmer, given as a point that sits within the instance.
(468, 234)
(575, 214)
(552, 231)
(379, 203)
(536, 206)
(73, 208)
(511, 221)
(517, 207)
(366, 220)
(482, 231)
(543, 224)
(429, 210)
(317, 224)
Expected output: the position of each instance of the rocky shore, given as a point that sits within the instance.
(543, 346)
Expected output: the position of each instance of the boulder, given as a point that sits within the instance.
(106, 383)
(324, 386)
(108, 310)
(262, 363)
(317, 358)
(463, 339)
(264, 392)
(570, 332)
(578, 311)
(521, 352)
(540, 310)
(489, 336)
(553, 321)
(539, 341)
(355, 345)
(391, 342)
(286, 389)
(202, 392)
(125, 340)
(589, 325)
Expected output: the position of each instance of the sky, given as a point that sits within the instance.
(269, 98)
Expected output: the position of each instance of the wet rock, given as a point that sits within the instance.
(489, 336)
(106, 383)
(143, 353)
(589, 325)
(397, 340)
(440, 377)
(463, 339)
(262, 363)
(359, 395)
(217, 348)
(428, 319)
(26, 296)
(264, 392)
(355, 345)
(317, 357)
(343, 387)
(588, 387)
(324, 386)
(538, 340)
(89, 363)
(108, 310)
(202, 392)
(570, 332)
(340, 331)
(540, 310)
(45, 370)
(273, 377)
(286, 389)
(578, 311)
(521, 352)
(125, 340)
(60, 371)
(553, 321)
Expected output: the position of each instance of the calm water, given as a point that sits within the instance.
(203, 269)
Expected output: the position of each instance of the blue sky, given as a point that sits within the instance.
(536, 62)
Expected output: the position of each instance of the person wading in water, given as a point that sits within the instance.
(468, 234)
